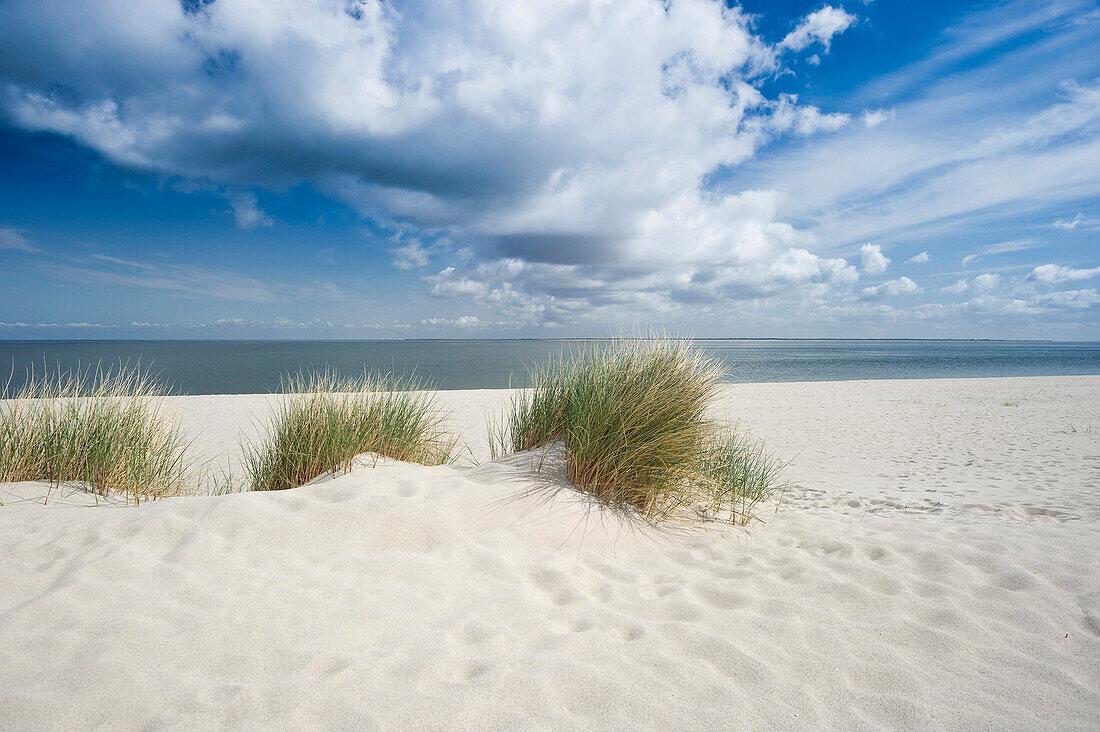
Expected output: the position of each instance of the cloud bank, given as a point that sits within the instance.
(564, 148)
(567, 161)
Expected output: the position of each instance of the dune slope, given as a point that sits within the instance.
(919, 577)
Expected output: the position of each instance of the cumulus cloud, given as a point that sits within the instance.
(900, 286)
(246, 211)
(922, 258)
(818, 27)
(570, 154)
(1031, 305)
(804, 120)
(874, 261)
(682, 258)
(875, 117)
(981, 283)
(1074, 299)
(462, 322)
(1056, 273)
(573, 143)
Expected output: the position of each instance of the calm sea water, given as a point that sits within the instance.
(242, 367)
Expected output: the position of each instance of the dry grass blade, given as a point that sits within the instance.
(324, 421)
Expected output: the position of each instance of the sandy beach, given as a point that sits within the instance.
(933, 564)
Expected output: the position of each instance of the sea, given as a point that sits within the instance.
(250, 367)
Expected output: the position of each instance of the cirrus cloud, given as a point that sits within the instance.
(14, 240)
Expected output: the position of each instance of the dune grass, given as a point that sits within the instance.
(736, 474)
(324, 421)
(634, 418)
(104, 430)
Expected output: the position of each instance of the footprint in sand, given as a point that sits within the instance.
(472, 633)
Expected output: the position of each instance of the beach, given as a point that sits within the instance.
(932, 564)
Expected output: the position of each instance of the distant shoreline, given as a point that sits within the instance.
(259, 367)
(724, 386)
(545, 340)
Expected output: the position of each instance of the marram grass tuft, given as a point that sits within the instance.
(324, 421)
(634, 419)
(735, 475)
(104, 430)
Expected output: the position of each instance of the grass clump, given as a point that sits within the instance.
(324, 421)
(737, 474)
(104, 430)
(634, 420)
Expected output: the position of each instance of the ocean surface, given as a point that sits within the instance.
(247, 367)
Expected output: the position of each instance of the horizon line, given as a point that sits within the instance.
(550, 339)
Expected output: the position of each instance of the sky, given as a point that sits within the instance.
(479, 169)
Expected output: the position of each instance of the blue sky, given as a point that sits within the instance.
(278, 169)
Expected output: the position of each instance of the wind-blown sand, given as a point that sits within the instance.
(935, 566)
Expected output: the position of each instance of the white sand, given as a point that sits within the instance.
(936, 567)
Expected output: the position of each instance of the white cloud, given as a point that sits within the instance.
(1079, 221)
(1031, 305)
(1075, 299)
(985, 282)
(989, 304)
(1055, 273)
(1079, 111)
(682, 259)
(579, 156)
(246, 212)
(581, 135)
(410, 256)
(187, 280)
(900, 286)
(981, 283)
(12, 239)
(971, 146)
(818, 27)
(125, 262)
(1001, 247)
(1005, 247)
(922, 258)
(874, 261)
(873, 118)
(804, 120)
(463, 322)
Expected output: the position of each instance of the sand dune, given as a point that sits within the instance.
(934, 566)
